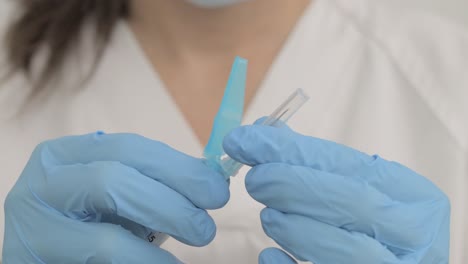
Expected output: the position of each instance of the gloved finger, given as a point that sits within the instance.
(261, 120)
(51, 237)
(189, 176)
(114, 244)
(257, 144)
(311, 240)
(348, 203)
(253, 145)
(83, 191)
(136, 229)
(95, 243)
(275, 256)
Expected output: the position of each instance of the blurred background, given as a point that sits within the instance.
(456, 10)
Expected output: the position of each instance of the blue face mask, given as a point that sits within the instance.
(214, 3)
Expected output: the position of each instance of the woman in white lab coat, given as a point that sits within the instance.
(380, 81)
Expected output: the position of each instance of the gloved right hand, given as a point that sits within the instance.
(92, 198)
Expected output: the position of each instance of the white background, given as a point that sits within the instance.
(456, 10)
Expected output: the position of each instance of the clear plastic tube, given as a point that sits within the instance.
(156, 238)
(287, 109)
(278, 118)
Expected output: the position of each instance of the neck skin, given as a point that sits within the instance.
(183, 29)
(192, 48)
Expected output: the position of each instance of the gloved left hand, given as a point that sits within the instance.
(327, 203)
(95, 198)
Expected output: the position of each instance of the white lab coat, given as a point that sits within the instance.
(380, 80)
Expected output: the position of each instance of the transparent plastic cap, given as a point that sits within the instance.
(287, 109)
(229, 167)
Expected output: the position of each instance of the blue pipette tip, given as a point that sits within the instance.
(230, 112)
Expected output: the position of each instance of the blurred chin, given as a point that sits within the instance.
(214, 3)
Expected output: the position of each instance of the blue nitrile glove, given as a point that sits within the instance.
(92, 198)
(327, 203)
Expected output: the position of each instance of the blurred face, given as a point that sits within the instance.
(214, 3)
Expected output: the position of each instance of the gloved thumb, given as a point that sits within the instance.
(275, 256)
(258, 144)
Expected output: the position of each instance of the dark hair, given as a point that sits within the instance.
(56, 25)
